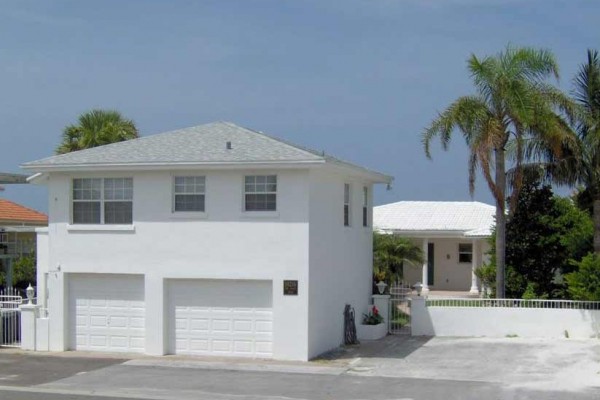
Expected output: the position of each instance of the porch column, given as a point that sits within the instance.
(425, 277)
(474, 265)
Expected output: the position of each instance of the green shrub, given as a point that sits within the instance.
(584, 283)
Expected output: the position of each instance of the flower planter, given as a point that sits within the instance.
(371, 332)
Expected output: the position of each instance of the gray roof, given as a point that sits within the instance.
(203, 144)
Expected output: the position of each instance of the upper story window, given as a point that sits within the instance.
(189, 193)
(103, 201)
(346, 204)
(465, 252)
(260, 193)
(365, 209)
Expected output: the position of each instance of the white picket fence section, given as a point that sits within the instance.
(10, 317)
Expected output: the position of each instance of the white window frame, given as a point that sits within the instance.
(174, 194)
(102, 200)
(365, 207)
(470, 253)
(347, 205)
(266, 192)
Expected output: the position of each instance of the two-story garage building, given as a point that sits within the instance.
(211, 240)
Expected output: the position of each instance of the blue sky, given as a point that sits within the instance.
(359, 79)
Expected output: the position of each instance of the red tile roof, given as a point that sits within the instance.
(17, 213)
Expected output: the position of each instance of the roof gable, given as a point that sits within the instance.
(473, 219)
(18, 214)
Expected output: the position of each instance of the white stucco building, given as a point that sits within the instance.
(182, 243)
(453, 235)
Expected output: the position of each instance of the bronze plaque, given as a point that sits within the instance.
(290, 288)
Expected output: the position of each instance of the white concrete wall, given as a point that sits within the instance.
(449, 274)
(341, 259)
(224, 243)
(502, 322)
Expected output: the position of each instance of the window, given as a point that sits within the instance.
(465, 252)
(103, 201)
(189, 192)
(260, 193)
(346, 204)
(365, 209)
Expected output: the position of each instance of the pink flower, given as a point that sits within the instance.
(375, 310)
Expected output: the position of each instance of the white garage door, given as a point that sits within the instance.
(106, 312)
(221, 317)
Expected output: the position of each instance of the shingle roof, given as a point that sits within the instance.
(16, 213)
(470, 219)
(203, 144)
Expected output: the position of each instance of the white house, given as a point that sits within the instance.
(453, 235)
(210, 240)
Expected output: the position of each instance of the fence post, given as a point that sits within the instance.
(29, 315)
(382, 302)
(421, 324)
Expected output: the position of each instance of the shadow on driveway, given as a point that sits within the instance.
(392, 346)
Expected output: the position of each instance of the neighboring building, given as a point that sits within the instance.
(211, 240)
(17, 234)
(453, 235)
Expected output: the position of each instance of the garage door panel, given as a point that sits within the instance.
(223, 323)
(107, 312)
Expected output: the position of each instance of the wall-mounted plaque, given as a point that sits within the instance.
(290, 288)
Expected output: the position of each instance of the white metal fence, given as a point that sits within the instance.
(10, 317)
(399, 315)
(515, 303)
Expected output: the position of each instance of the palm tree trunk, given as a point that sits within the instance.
(597, 224)
(500, 222)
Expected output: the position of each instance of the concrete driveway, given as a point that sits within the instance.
(540, 364)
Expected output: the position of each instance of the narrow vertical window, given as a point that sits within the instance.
(346, 204)
(365, 209)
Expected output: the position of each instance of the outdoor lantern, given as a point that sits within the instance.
(381, 285)
(418, 287)
(30, 293)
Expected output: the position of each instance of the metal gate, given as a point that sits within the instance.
(400, 308)
(10, 317)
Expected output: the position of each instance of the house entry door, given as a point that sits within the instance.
(430, 264)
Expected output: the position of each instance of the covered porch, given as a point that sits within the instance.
(453, 236)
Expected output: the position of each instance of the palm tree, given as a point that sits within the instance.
(390, 252)
(580, 164)
(512, 102)
(96, 128)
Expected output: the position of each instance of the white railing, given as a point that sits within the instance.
(10, 317)
(515, 303)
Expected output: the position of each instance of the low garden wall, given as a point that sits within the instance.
(505, 318)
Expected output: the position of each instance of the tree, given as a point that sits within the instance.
(390, 252)
(512, 102)
(580, 164)
(96, 128)
(543, 235)
(584, 283)
(24, 271)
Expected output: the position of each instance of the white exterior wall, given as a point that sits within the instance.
(449, 274)
(225, 243)
(341, 259)
(502, 322)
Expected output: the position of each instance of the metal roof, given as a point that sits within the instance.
(467, 219)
